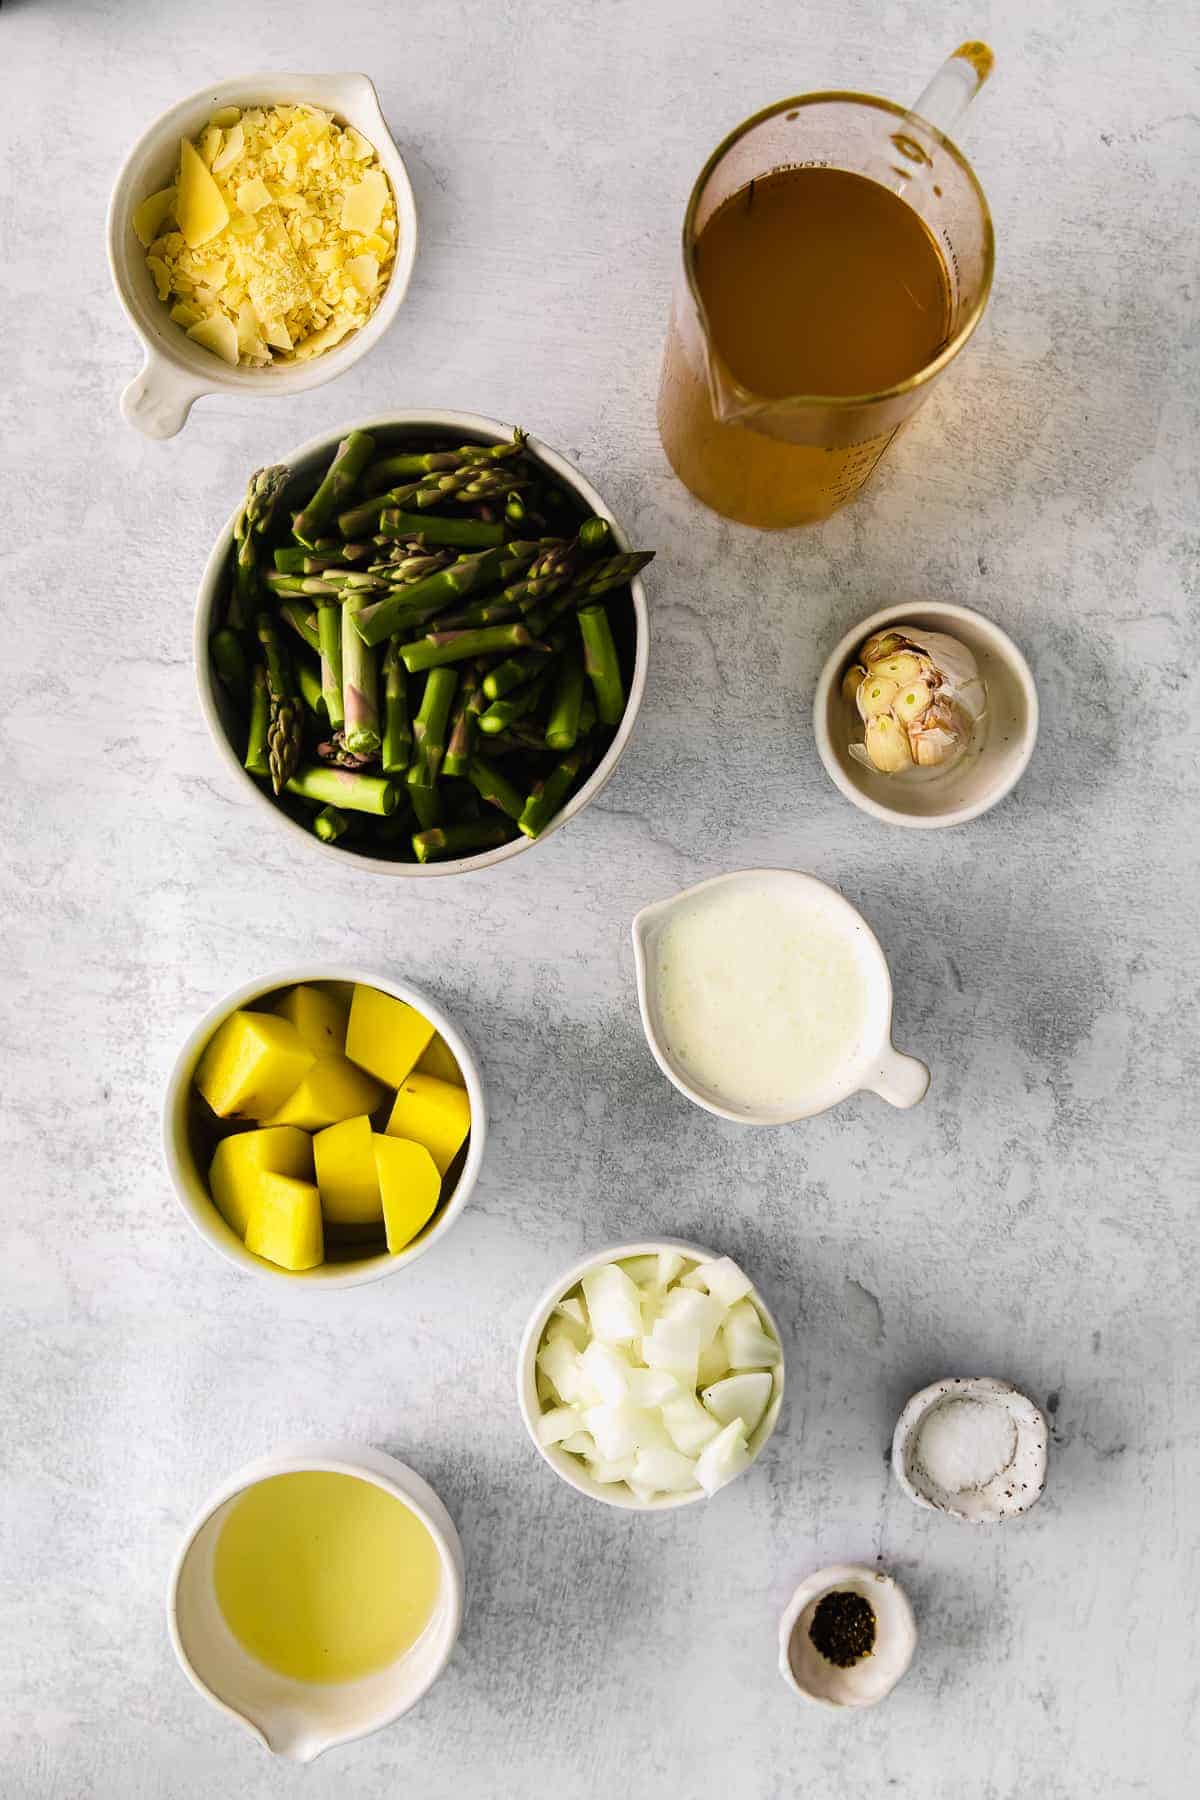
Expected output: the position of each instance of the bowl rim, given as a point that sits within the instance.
(948, 613)
(338, 1456)
(881, 978)
(345, 91)
(493, 430)
(183, 1170)
(530, 1407)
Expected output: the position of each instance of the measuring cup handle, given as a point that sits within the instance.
(954, 86)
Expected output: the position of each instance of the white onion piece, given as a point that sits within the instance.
(560, 1364)
(571, 1331)
(746, 1343)
(620, 1430)
(714, 1362)
(581, 1443)
(699, 1312)
(724, 1458)
(669, 1264)
(607, 1472)
(605, 1368)
(572, 1309)
(743, 1397)
(694, 1279)
(676, 1349)
(724, 1280)
(559, 1423)
(650, 1387)
(664, 1471)
(689, 1426)
(643, 1270)
(613, 1303)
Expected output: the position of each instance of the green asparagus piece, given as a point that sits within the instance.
(515, 671)
(600, 661)
(427, 805)
(255, 759)
(464, 534)
(491, 784)
(595, 534)
(405, 466)
(397, 726)
(253, 522)
(345, 788)
(595, 579)
(429, 728)
(456, 486)
(331, 584)
(309, 682)
(329, 643)
(327, 553)
(518, 739)
(463, 577)
(445, 841)
(360, 685)
(285, 728)
(330, 824)
(562, 722)
(439, 647)
(341, 477)
(303, 621)
(483, 612)
(503, 713)
(462, 724)
(229, 660)
(549, 796)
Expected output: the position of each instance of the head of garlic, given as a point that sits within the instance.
(920, 697)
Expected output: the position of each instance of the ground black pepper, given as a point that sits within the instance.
(843, 1628)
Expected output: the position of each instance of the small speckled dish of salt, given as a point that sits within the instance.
(973, 1448)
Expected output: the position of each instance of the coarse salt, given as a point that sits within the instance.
(965, 1444)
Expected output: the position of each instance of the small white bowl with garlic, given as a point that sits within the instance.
(650, 1375)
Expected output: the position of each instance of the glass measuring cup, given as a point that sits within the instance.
(775, 461)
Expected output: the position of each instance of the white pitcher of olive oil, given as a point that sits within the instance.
(837, 255)
(317, 1595)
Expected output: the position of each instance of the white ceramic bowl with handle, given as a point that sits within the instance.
(177, 371)
(982, 777)
(298, 1720)
(572, 1469)
(877, 1067)
(187, 1162)
(304, 462)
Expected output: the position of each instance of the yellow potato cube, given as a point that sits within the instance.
(251, 1064)
(199, 204)
(285, 1223)
(319, 1016)
(346, 1174)
(438, 1059)
(434, 1113)
(332, 1089)
(240, 1162)
(409, 1186)
(385, 1036)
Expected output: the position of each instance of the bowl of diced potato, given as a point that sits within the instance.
(324, 1125)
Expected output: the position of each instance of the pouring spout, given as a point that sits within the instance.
(290, 1737)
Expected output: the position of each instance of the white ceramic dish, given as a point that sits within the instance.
(1013, 1490)
(981, 778)
(190, 1178)
(570, 1468)
(176, 371)
(298, 1720)
(316, 454)
(810, 1675)
(879, 1068)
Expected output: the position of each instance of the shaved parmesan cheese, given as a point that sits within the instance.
(231, 149)
(199, 203)
(362, 208)
(218, 334)
(149, 215)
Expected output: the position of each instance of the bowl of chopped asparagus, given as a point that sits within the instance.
(422, 642)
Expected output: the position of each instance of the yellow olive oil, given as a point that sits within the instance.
(325, 1577)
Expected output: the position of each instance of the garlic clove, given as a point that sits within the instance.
(931, 748)
(887, 745)
(911, 703)
(851, 682)
(884, 643)
(875, 696)
(902, 668)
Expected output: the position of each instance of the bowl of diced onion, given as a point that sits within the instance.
(650, 1375)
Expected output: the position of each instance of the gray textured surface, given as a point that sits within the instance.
(1030, 1220)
